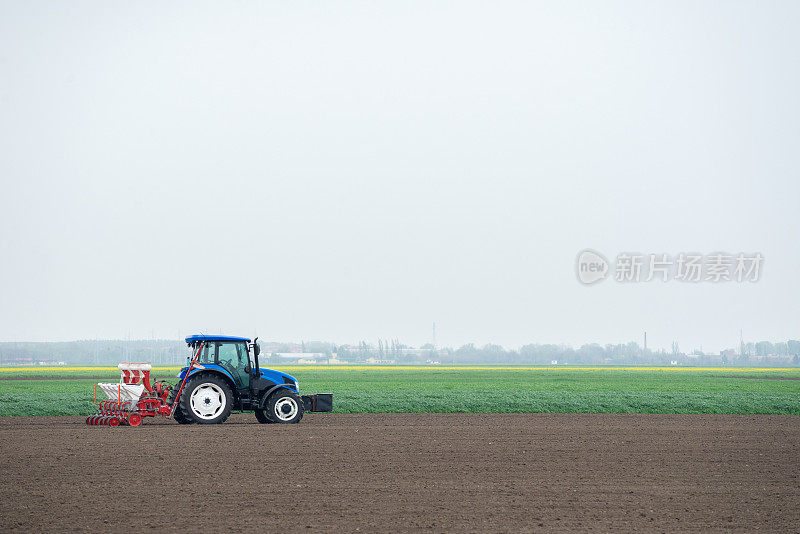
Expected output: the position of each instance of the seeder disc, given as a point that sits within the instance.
(134, 419)
(113, 421)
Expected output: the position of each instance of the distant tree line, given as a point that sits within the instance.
(93, 352)
(631, 353)
(171, 352)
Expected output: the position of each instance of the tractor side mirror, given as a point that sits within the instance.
(256, 352)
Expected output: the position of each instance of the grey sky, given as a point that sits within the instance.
(348, 170)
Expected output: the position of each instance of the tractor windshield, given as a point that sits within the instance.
(233, 354)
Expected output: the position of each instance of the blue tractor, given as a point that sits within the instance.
(224, 375)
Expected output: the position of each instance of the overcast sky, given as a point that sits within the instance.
(353, 170)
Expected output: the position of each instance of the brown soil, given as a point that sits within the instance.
(435, 472)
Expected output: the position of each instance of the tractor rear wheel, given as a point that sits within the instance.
(284, 407)
(206, 399)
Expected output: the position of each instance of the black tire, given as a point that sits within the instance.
(261, 415)
(180, 417)
(212, 397)
(284, 407)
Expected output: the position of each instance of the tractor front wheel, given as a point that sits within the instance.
(206, 399)
(284, 407)
(261, 415)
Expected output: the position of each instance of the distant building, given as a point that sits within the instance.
(300, 357)
(782, 358)
(31, 361)
(380, 362)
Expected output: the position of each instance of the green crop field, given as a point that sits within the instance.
(362, 389)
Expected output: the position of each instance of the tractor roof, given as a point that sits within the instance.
(203, 337)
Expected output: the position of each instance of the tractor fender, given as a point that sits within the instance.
(262, 403)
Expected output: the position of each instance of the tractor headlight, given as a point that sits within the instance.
(297, 387)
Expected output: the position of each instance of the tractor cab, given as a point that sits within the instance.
(234, 356)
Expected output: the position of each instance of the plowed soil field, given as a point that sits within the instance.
(405, 472)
